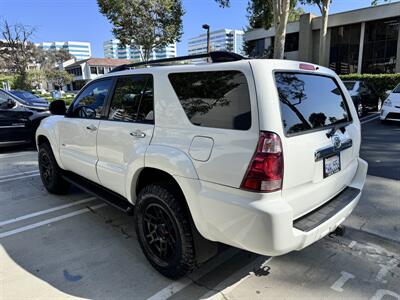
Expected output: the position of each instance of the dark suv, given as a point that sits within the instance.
(20, 117)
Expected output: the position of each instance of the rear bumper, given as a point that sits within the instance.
(261, 223)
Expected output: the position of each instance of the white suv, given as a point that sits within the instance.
(262, 155)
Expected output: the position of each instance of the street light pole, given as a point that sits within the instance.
(207, 27)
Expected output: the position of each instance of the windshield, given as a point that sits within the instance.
(349, 85)
(396, 90)
(25, 95)
(309, 102)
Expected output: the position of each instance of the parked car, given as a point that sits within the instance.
(260, 154)
(364, 96)
(19, 118)
(391, 107)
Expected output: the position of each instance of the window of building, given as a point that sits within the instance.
(255, 48)
(100, 70)
(90, 102)
(75, 71)
(133, 100)
(380, 46)
(292, 42)
(218, 99)
(345, 43)
(93, 70)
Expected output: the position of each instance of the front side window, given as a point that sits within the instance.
(90, 103)
(218, 99)
(133, 99)
(3, 100)
(309, 102)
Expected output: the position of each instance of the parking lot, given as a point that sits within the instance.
(59, 247)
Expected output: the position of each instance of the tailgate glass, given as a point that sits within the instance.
(310, 102)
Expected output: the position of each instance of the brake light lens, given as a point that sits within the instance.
(265, 171)
(307, 67)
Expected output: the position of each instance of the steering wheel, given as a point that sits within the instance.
(86, 112)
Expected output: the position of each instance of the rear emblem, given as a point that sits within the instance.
(337, 143)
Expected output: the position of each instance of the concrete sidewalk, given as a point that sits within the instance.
(378, 211)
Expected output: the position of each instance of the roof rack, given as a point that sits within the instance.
(215, 56)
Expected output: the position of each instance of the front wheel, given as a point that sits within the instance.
(164, 231)
(50, 172)
(360, 109)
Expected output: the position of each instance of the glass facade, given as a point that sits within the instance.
(345, 43)
(380, 46)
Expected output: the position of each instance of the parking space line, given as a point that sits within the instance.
(18, 174)
(48, 221)
(370, 119)
(179, 285)
(42, 212)
(20, 177)
(17, 154)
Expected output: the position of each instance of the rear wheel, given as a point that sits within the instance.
(50, 172)
(164, 231)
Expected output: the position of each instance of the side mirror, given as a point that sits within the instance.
(11, 103)
(58, 107)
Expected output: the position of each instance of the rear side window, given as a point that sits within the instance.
(397, 89)
(309, 102)
(218, 99)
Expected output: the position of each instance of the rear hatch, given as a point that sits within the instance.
(320, 137)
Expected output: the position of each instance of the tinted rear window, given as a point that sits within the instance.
(218, 99)
(309, 102)
(349, 84)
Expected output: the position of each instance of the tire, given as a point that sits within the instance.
(164, 231)
(50, 172)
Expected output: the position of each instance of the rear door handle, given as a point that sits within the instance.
(138, 134)
(91, 127)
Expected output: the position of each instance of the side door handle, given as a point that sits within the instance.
(91, 127)
(138, 134)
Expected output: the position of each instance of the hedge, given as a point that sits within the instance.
(379, 82)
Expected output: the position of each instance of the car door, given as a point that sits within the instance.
(125, 134)
(13, 120)
(78, 130)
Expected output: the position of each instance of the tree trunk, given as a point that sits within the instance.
(323, 32)
(281, 14)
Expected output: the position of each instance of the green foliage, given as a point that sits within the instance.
(150, 24)
(58, 77)
(48, 59)
(295, 14)
(379, 82)
(36, 77)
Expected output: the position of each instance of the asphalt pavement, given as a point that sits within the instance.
(75, 246)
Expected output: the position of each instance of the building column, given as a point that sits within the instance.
(361, 48)
(305, 37)
(397, 69)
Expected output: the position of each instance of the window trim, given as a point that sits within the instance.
(70, 108)
(110, 98)
(205, 71)
(288, 135)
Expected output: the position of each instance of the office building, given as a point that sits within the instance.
(80, 50)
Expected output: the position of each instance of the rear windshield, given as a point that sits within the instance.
(309, 102)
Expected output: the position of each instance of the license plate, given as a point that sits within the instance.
(331, 165)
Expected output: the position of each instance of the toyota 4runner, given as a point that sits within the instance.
(258, 154)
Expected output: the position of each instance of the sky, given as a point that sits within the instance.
(80, 20)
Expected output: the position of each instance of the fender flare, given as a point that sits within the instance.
(49, 130)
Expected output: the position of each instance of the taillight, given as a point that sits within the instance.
(265, 171)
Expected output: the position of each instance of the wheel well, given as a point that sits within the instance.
(152, 175)
(42, 139)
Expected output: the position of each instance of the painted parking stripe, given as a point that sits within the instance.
(48, 221)
(18, 174)
(9, 155)
(371, 119)
(20, 177)
(43, 212)
(179, 285)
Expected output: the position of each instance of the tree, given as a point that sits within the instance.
(51, 58)
(323, 6)
(264, 13)
(36, 77)
(58, 77)
(147, 23)
(16, 50)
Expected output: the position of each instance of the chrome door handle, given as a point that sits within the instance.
(91, 127)
(138, 134)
